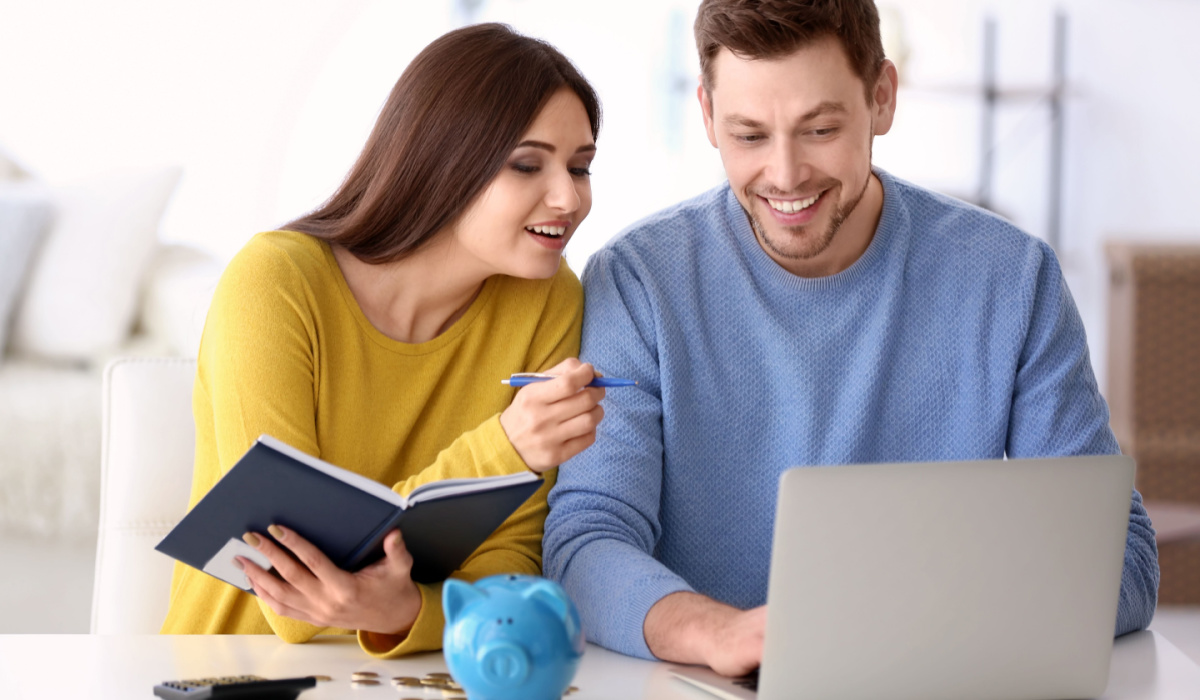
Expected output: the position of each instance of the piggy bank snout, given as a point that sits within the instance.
(503, 663)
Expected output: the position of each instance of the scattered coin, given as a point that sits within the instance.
(362, 675)
(323, 678)
(406, 681)
(363, 682)
(434, 682)
(438, 674)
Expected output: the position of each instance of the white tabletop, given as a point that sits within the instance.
(1145, 666)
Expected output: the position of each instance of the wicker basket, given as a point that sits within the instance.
(1154, 388)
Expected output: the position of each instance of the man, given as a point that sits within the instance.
(811, 311)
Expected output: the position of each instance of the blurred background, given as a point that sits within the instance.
(220, 119)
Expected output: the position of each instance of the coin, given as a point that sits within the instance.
(437, 674)
(323, 678)
(363, 675)
(363, 682)
(406, 681)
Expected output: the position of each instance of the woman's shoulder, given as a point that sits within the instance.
(279, 259)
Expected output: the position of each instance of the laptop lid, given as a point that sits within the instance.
(954, 580)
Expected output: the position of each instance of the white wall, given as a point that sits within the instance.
(266, 103)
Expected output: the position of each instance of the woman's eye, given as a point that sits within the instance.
(581, 172)
(525, 168)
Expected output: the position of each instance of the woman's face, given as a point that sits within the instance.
(523, 219)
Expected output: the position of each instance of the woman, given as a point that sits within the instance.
(374, 333)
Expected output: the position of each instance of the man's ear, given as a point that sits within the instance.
(706, 110)
(885, 97)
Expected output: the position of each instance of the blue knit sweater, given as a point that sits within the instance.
(953, 337)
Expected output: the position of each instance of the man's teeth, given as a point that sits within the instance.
(548, 230)
(791, 207)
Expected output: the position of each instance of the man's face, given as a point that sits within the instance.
(795, 137)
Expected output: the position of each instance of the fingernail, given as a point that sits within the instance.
(276, 531)
(251, 539)
(238, 563)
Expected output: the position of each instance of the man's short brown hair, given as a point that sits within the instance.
(758, 29)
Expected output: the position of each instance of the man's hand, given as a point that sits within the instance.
(550, 422)
(692, 629)
(381, 598)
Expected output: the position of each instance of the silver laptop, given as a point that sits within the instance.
(942, 580)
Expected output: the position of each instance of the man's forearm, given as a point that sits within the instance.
(681, 626)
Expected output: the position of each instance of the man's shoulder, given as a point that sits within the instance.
(951, 229)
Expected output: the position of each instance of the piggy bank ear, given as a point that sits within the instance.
(552, 596)
(456, 595)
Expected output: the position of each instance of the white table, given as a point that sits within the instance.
(1145, 666)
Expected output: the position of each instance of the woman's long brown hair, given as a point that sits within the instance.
(449, 125)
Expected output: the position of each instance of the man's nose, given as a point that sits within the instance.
(787, 169)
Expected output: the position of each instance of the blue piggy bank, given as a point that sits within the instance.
(511, 637)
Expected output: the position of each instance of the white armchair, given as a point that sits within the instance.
(148, 445)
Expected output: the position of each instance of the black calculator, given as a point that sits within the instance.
(248, 687)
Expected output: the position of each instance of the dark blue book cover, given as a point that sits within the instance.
(344, 514)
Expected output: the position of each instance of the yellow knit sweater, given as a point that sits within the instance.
(287, 351)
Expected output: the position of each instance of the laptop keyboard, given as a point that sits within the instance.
(748, 681)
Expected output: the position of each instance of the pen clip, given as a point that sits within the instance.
(531, 374)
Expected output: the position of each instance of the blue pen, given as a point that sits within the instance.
(526, 378)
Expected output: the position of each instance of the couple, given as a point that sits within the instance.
(812, 310)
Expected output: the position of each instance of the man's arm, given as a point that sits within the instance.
(1057, 409)
(689, 628)
(604, 511)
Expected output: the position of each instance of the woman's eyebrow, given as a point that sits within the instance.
(550, 147)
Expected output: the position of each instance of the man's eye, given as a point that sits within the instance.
(749, 138)
(824, 132)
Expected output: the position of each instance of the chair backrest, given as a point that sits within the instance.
(148, 446)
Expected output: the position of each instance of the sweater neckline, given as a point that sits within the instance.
(762, 264)
(438, 342)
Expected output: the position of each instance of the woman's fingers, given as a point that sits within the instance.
(544, 416)
(267, 589)
(566, 383)
(581, 424)
(290, 569)
(313, 559)
(266, 584)
(396, 553)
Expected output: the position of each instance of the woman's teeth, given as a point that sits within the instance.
(791, 207)
(555, 231)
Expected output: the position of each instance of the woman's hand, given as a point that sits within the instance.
(550, 422)
(380, 598)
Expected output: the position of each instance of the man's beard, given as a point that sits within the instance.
(818, 244)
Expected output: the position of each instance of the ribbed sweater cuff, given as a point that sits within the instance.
(615, 585)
